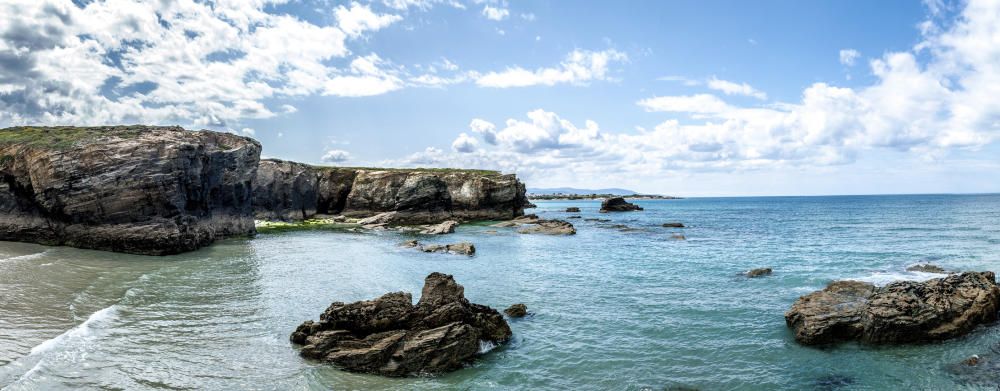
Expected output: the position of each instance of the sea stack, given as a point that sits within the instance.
(389, 336)
(618, 204)
(136, 189)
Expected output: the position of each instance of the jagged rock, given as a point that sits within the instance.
(446, 227)
(390, 336)
(135, 189)
(760, 272)
(573, 209)
(284, 190)
(926, 268)
(462, 248)
(673, 225)
(900, 312)
(516, 311)
(618, 204)
(549, 227)
(379, 219)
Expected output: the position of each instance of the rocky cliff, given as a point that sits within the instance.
(135, 189)
(292, 191)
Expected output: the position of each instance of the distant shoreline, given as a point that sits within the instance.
(553, 197)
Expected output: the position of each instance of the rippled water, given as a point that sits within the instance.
(612, 309)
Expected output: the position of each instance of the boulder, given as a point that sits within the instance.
(573, 209)
(618, 204)
(673, 225)
(759, 272)
(549, 227)
(445, 227)
(516, 311)
(150, 190)
(462, 248)
(900, 312)
(389, 336)
(927, 268)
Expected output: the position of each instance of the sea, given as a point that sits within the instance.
(625, 304)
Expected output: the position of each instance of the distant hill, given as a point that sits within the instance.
(570, 190)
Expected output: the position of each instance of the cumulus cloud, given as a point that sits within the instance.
(464, 143)
(336, 156)
(579, 66)
(360, 18)
(495, 13)
(849, 56)
(731, 88)
(486, 129)
(698, 103)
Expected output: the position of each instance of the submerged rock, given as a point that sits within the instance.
(389, 336)
(573, 209)
(900, 312)
(598, 220)
(549, 227)
(516, 311)
(759, 272)
(618, 204)
(462, 248)
(673, 225)
(926, 268)
(446, 227)
(573, 217)
(678, 237)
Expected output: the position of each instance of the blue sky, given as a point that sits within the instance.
(684, 98)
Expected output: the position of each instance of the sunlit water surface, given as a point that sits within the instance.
(611, 309)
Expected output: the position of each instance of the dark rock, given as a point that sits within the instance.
(284, 190)
(573, 209)
(760, 272)
(135, 189)
(516, 311)
(390, 336)
(971, 361)
(618, 204)
(900, 312)
(573, 217)
(598, 220)
(926, 268)
(549, 227)
(445, 227)
(673, 225)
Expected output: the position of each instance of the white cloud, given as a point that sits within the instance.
(495, 13)
(368, 75)
(485, 128)
(249, 132)
(579, 66)
(289, 109)
(731, 88)
(699, 103)
(336, 156)
(464, 143)
(359, 18)
(849, 56)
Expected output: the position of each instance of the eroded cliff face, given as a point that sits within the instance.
(135, 189)
(420, 196)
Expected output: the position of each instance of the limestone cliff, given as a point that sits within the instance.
(291, 191)
(136, 189)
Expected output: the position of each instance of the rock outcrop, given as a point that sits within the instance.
(548, 227)
(461, 248)
(418, 196)
(927, 268)
(390, 336)
(135, 189)
(446, 227)
(900, 312)
(673, 225)
(573, 209)
(518, 310)
(618, 204)
(759, 272)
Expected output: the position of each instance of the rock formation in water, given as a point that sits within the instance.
(759, 272)
(618, 204)
(445, 227)
(518, 310)
(900, 312)
(136, 189)
(573, 209)
(418, 196)
(927, 268)
(390, 336)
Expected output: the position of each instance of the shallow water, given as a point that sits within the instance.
(612, 309)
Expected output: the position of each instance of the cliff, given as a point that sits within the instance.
(136, 189)
(293, 191)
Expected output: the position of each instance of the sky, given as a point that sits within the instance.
(686, 98)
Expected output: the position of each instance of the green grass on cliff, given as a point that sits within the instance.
(61, 137)
(433, 170)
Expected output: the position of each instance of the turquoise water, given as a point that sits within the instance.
(612, 309)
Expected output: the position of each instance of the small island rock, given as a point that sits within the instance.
(549, 227)
(673, 225)
(389, 336)
(759, 272)
(516, 311)
(900, 312)
(445, 227)
(573, 209)
(927, 268)
(618, 204)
